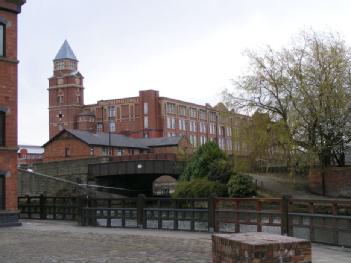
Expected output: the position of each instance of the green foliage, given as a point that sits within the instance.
(240, 186)
(199, 188)
(306, 89)
(210, 162)
(242, 164)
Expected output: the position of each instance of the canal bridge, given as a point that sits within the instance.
(135, 173)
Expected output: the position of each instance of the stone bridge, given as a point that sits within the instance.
(134, 175)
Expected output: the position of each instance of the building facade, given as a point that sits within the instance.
(147, 115)
(29, 154)
(77, 144)
(9, 9)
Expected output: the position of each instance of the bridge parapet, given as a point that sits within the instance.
(136, 167)
(149, 156)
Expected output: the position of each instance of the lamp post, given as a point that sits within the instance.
(109, 136)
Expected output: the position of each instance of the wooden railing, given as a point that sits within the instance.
(44, 207)
(250, 214)
(324, 221)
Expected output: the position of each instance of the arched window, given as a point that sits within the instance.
(2, 39)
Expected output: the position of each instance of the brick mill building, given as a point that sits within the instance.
(9, 9)
(147, 115)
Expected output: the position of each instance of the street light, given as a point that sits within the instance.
(109, 136)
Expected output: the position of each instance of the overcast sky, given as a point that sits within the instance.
(186, 49)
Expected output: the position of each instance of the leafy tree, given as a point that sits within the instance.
(199, 188)
(210, 162)
(241, 186)
(264, 139)
(306, 88)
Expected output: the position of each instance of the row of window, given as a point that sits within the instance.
(190, 111)
(65, 64)
(198, 141)
(123, 111)
(112, 127)
(185, 125)
(61, 81)
(60, 97)
(105, 151)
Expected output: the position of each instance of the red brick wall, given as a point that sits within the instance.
(8, 100)
(70, 107)
(337, 181)
(55, 151)
(8, 164)
(151, 97)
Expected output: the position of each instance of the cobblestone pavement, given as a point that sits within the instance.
(57, 241)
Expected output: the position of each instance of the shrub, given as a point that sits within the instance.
(210, 162)
(240, 185)
(199, 188)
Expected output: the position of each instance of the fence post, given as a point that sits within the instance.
(42, 203)
(284, 221)
(140, 210)
(82, 202)
(211, 214)
(29, 207)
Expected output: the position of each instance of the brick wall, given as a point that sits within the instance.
(337, 181)
(44, 181)
(8, 102)
(8, 164)
(36, 184)
(259, 248)
(66, 149)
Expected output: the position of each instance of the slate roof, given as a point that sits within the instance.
(162, 141)
(119, 140)
(65, 52)
(101, 138)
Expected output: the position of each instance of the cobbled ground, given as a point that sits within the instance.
(60, 242)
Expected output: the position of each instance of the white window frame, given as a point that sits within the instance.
(146, 108)
(112, 126)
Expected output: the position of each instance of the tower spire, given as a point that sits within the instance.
(65, 52)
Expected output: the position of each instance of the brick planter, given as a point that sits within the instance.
(259, 247)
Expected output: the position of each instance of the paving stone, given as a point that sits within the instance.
(65, 242)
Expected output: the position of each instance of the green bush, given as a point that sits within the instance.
(241, 186)
(199, 188)
(210, 162)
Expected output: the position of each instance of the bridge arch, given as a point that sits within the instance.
(137, 176)
(164, 185)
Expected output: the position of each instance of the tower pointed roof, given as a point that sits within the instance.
(65, 52)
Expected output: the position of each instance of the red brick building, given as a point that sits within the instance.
(144, 116)
(29, 154)
(9, 9)
(77, 144)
